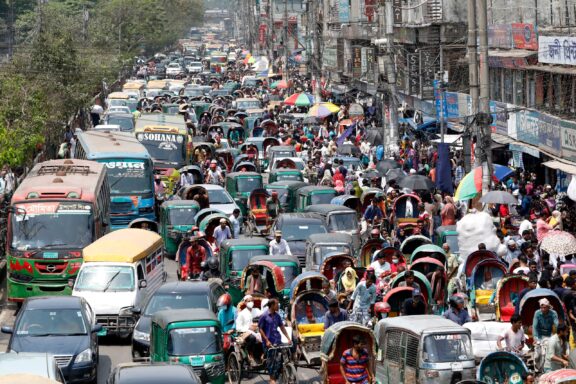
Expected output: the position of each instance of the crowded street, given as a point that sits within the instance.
(262, 194)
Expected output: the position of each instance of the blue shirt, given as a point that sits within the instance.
(459, 318)
(226, 317)
(330, 319)
(372, 212)
(356, 370)
(269, 324)
(542, 324)
(221, 234)
(364, 296)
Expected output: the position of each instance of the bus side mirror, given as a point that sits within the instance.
(142, 284)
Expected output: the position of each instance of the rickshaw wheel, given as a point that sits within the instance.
(234, 369)
(288, 375)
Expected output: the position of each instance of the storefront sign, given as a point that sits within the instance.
(356, 61)
(397, 11)
(527, 127)
(499, 117)
(413, 73)
(344, 11)
(524, 36)
(330, 58)
(524, 149)
(568, 140)
(451, 100)
(549, 134)
(429, 65)
(557, 50)
(500, 36)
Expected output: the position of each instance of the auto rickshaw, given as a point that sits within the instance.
(176, 220)
(312, 195)
(429, 250)
(235, 255)
(287, 193)
(285, 174)
(507, 292)
(529, 305)
(410, 244)
(210, 222)
(501, 367)
(240, 184)
(289, 264)
(308, 305)
(482, 284)
(448, 234)
(334, 264)
(394, 300)
(191, 337)
(405, 212)
(272, 275)
(338, 219)
(425, 287)
(182, 270)
(335, 341)
(320, 245)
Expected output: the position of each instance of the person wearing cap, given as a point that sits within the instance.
(380, 265)
(195, 256)
(335, 314)
(214, 175)
(414, 305)
(222, 232)
(545, 321)
(557, 350)
(279, 246)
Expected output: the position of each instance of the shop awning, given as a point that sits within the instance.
(553, 69)
(501, 139)
(512, 58)
(564, 167)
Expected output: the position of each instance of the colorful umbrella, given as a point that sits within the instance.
(471, 184)
(280, 84)
(322, 110)
(559, 243)
(299, 99)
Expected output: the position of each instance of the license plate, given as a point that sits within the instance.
(196, 361)
(50, 255)
(457, 367)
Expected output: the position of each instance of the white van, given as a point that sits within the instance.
(120, 271)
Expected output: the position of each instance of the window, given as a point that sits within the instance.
(140, 272)
(519, 87)
(559, 95)
(508, 96)
(531, 89)
(495, 84)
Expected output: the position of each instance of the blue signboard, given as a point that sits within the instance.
(527, 123)
(451, 100)
(549, 134)
(344, 11)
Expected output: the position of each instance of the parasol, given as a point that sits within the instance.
(416, 183)
(499, 197)
(322, 110)
(559, 243)
(280, 84)
(395, 174)
(387, 164)
(471, 184)
(371, 174)
(299, 99)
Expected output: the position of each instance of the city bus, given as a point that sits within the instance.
(129, 170)
(218, 60)
(61, 207)
(166, 139)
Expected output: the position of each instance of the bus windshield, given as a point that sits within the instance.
(129, 177)
(52, 224)
(164, 147)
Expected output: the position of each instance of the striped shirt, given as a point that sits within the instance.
(356, 370)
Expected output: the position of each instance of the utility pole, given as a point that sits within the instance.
(285, 40)
(484, 118)
(316, 61)
(473, 80)
(270, 33)
(391, 76)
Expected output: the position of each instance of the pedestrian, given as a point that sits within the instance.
(556, 352)
(513, 337)
(355, 363)
(235, 222)
(362, 299)
(222, 232)
(335, 314)
(269, 323)
(279, 246)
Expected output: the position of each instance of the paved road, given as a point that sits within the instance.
(114, 352)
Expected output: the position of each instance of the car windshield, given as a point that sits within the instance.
(255, 104)
(105, 278)
(322, 198)
(164, 147)
(289, 176)
(52, 224)
(182, 215)
(129, 177)
(343, 222)
(194, 341)
(452, 241)
(241, 257)
(193, 92)
(444, 348)
(52, 322)
(248, 184)
(290, 273)
(302, 231)
(171, 301)
(219, 196)
(321, 251)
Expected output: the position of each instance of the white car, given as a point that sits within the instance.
(220, 199)
(194, 67)
(118, 109)
(277, 162)
(173, 69)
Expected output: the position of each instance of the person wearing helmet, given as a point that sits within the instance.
(214, 174)
(195, 255)
(211, 269)
(457, 313)
(226, 313)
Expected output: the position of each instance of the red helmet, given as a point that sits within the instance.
(224, 300)
(381, 307)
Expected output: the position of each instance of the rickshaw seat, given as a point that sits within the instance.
(333, 373)
(310, 330)
(483, 296)
(507, 312)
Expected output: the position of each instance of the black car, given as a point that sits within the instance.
(173, 295)
(64, 326)
(153, 374)
(296, 227)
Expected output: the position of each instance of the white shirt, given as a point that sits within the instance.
(235, 226)
(513, 340)
(380, 268)
(524, 225)
(281, 248)
(244, 320)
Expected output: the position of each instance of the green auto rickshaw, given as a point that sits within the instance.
(170, 109)
(288, 264)
(240, 184)
(191, 337)
(285, 174)
(200, 107)
(448, 234)
(235, 255)
(314, 194)
(176, 219)
(287, 193)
